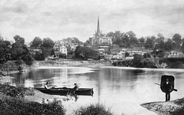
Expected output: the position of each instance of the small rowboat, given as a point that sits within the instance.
(65, 91)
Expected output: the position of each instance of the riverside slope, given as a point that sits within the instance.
(175, 107)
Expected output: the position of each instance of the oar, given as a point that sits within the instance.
(159, 84)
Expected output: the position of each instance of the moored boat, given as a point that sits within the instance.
(65, 91)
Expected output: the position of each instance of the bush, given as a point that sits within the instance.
(38, 56)
(12, 91)
(9, 66)
(97, 109)
(28, 59)
(16, 106)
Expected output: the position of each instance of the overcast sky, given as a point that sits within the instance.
(59, 19)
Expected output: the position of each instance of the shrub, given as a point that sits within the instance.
(28, 59)
(16, 106)
(12, 91)
(97, 109)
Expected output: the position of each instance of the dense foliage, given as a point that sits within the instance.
(93, 110)
(5, 50)
(12, 91)
(129, 40)
(16, 51)
(15, 106)
(86, 53)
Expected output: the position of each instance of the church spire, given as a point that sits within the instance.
(98, 26)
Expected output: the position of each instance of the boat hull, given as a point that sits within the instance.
(65, 91)
(163, 82)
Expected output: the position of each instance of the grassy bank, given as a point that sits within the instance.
(19, 106)
(12, 102)
(175, 107)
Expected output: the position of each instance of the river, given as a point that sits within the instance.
(120, 89)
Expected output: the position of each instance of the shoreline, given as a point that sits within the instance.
(174, 107)
(161, 108)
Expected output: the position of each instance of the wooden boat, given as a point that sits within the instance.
(65, 91)
(163, 82)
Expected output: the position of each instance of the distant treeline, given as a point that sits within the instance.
(129, 40)
(19, 50)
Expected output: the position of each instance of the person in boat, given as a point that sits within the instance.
(46, 86)
(168, 90)
(76, 87)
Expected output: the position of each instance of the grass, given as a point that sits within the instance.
(97, 109)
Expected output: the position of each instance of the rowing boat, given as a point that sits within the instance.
(65, 91)
(163, 85)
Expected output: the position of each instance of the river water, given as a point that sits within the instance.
(120, 89)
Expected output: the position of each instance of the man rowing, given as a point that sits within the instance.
(46, 86)
(72, 91)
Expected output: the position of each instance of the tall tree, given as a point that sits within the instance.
(19, 48)
(47, 43)
(182, 47)
(169, 45)
(5, 47)
(149, 44)
(47, 47)
(36, 42)
(141, 41)
(177, 39)
(19, 39)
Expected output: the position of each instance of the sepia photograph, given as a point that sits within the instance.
(91, 57)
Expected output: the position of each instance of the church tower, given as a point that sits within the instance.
(98, 32)
(98, 26)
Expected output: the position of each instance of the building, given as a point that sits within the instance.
(99, 38)
(60, 48)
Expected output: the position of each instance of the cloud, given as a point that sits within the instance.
(59, 19)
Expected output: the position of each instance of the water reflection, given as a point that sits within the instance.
(123, 90)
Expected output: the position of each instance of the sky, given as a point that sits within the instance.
(58, 19)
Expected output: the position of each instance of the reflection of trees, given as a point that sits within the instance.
(118, 77)
(19, 79)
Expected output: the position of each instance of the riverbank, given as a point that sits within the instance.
(38, 97)
(175, 107)
(75, 63)
(17, 101)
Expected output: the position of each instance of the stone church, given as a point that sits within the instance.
(99, 38)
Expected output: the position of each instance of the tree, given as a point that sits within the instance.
(47, 43)
(19, 39)
(47, 47)
(5, 54)
(160, 36)
(131, 34)
(177, 39)
(149, 44)
(19, 48)
(141, 41)
(134, 42)
(86, 53)
(36, 42)
(182, 47)
(110, 34)
(125, 40)
(169, 45)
